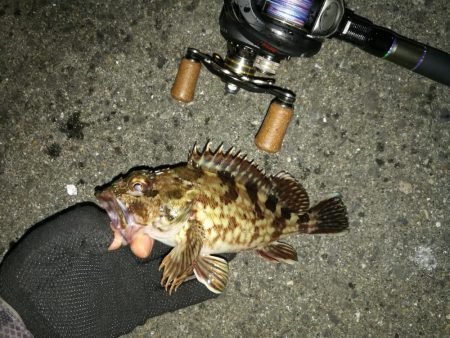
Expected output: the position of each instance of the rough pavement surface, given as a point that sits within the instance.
(84, 95)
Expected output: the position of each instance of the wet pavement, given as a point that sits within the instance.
(84, 96)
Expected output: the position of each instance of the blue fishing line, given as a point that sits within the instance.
(291, 12)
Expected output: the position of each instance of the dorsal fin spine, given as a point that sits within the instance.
(208, 146)
(236, 164)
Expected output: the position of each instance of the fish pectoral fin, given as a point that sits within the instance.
(178, 264)
(212, 271)
(279, 252)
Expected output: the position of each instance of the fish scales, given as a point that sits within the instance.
(218, 202)
(236, 225)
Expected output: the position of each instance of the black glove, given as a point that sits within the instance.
(63, 282)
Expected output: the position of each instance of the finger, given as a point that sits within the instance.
(142, 245)
(117, 241)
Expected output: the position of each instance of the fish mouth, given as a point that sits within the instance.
(115, 209)
(122, 222)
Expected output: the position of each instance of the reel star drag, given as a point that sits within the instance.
(262, 33)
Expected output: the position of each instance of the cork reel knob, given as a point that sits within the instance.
(271, 134)
(183, 88)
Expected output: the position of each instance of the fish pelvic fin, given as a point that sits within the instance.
(327, 216)
(212, 271)
(279, 252)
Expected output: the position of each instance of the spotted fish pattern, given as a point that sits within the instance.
(218, 202)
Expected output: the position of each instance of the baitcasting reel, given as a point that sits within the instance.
(262, 33)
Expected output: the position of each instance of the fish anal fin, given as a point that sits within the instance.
(291, 192)
(279, 252)
(212, 271)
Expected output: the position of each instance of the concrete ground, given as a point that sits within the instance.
(84, 95)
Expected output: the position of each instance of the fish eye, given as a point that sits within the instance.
(139, 185)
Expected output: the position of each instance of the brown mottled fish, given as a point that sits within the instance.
(218, 202)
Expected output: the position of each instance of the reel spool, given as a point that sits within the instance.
(289, 12)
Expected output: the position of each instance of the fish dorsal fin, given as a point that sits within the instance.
(235, 164)
(291, 192)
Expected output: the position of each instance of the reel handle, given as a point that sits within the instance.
(183, 88)
(271, 133)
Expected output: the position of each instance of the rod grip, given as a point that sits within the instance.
(271, 134)
(183, 88)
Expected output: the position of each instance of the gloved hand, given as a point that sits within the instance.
(63, 281)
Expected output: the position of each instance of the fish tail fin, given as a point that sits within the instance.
(327, 216)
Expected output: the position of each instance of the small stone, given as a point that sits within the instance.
(425, 259)
(405, 187)
(290, 283)
(71, 189)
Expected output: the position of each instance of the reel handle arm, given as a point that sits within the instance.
(185, 82)
(271, 134)
(385, 43)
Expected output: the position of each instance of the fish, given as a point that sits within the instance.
(217, 202)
